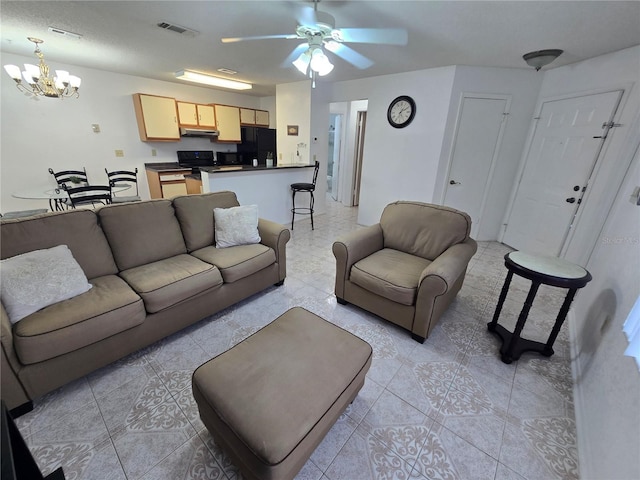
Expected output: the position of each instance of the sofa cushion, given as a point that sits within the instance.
(142, 232)
(423, 229)
(195, 214)
(390, 274)
(78, 229)
(237, 262)
(236, 226)
(166, 282)
(37, 279)
(110, 307)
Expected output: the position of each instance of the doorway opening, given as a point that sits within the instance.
(333, 166)
(361, 124)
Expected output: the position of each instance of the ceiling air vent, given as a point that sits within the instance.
(178, 29)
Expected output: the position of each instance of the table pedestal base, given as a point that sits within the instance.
(521, 346)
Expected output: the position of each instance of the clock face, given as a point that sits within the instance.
(401, 111)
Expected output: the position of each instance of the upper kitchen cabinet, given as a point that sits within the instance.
(228, 123)
(247, 116)
(157, 118)
(195, 115)
(251, 117)
(262, 118)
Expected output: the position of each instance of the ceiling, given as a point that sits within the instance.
(122, 36)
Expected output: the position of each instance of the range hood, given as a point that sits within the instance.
(197, 132)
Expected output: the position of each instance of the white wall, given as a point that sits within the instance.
(607, 389)
(293, 104)
(36, 135)
(399, 164)
(523, 86)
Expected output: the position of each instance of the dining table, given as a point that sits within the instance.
(56, 196)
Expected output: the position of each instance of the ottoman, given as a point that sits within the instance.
(270, 400)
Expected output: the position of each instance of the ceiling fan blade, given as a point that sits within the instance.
(295, 53)
(306, 16)
(349, 54)
(389, 36)
(257, 37)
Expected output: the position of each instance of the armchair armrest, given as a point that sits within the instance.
(445, 270)
(276, 236)
(438, 285)
(353, 247)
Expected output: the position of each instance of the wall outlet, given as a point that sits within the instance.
(154, 152)
(119, 153)
(95, 127)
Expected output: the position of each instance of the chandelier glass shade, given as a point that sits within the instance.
(38, 79)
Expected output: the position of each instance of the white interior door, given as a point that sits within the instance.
(476, 145)
(562, 155)
(337, 148)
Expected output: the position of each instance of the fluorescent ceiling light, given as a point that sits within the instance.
(211, 80)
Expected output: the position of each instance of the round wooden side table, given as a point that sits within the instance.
(540, 269)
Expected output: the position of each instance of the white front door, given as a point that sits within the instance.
(562, 155)
(476, 144)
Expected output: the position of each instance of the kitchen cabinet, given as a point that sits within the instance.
(247, 116)
(157, 118)
(167, 182)
(251, 117)
(227, 123)
(262, 118)
(193, 184)
(195, 115)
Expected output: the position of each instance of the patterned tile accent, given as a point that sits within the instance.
(555, 441)
(445, 409)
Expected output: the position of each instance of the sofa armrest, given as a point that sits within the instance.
(445, 270)
(352, 248)
(275, 235)
(13, 392)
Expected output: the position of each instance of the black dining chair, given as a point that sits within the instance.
(69, 178)
(304, 187)
(89, 194)
(124, 177)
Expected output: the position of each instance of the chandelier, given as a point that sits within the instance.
(39, 79)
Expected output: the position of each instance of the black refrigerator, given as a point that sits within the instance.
(256, 143)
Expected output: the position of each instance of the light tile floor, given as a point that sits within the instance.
(446, 409)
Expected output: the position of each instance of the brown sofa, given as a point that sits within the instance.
(409, 267)
(154, 270)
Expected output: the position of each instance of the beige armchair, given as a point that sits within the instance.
(409, 267)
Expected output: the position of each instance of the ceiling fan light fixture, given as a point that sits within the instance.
(540, 58)
(205, 79)
(320, 62)
(302, 62)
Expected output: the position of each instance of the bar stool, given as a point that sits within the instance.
(304, 187)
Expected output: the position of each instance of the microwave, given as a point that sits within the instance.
(229, 158)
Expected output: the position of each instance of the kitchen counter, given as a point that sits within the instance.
(249, 168)
(267, 187)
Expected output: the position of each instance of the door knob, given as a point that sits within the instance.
(571, 200)
(453, 182)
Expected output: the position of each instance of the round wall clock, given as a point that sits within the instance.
(401, 111)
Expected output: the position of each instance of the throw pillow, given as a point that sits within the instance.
(37, 279)
(236, 226)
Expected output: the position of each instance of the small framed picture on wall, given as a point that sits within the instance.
(292, 130)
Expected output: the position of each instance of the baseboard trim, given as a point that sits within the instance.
(578, 401)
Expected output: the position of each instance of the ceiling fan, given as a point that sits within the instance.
(318, 32)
